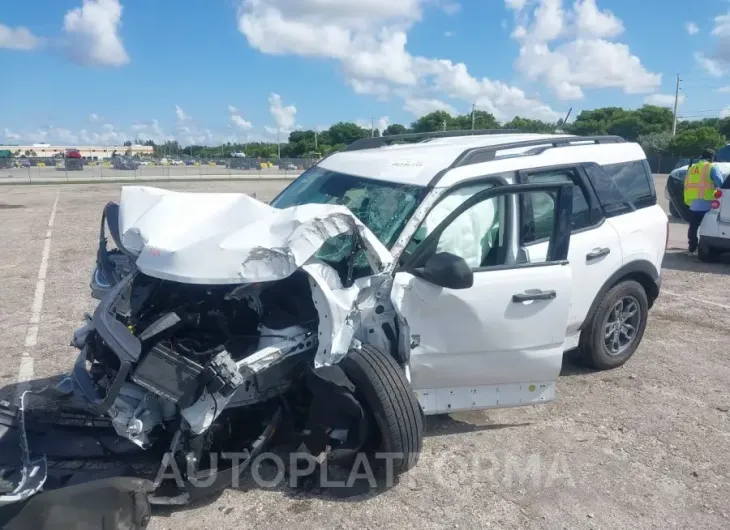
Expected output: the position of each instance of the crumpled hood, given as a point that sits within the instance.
(226, 238)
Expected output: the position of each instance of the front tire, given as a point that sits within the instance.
(616, 328)
(382, 388)
(673, 211)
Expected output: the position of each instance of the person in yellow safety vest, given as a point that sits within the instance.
(699, 188)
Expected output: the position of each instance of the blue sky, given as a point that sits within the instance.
(104, 71)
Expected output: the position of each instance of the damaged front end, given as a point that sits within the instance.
(217, 332)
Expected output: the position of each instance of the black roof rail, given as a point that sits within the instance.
(370, 143)
(477, 155)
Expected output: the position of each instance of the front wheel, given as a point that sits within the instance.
(673, 211)
(616, 328)
(382, 388)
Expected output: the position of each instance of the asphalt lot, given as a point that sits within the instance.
(643, 446)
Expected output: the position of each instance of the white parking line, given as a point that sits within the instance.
(698, 300)
(25, 371)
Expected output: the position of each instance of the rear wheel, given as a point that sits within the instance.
(616, 328)
(706, 253)
(383, 389)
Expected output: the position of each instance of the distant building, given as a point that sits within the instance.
(92, 152)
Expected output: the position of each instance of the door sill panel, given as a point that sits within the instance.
(457, 399)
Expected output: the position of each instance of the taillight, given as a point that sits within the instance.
(715, 204)
(718, 194)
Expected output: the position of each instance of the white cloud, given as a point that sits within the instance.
(285, 117)
(593, 23)
(92, 33)
(451, 8)
(239, 122)
(691, 28)
(379, 124)
(369, 41)
(11, 136)
(94, 117)
(448, 34)
(232, 109)
(724, 90)
(422, 106)
(663, 100)
(369, 87)
(583, 57)
(724, 113)
(151, 131)
(180, 113)
(713, 67)
(517, 5)
(19, 38)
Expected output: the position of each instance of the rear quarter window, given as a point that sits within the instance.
(635, 180)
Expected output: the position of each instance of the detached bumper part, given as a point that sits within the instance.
(118, 502)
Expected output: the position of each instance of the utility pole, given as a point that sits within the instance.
(278, 142)
(315, 138)
(676, 103)
(473, 110)
(372, 127)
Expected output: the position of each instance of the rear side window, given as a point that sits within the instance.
(634, 179)
(613, 200)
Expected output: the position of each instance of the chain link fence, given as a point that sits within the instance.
(37, 169)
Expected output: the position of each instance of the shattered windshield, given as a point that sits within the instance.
(384, 207)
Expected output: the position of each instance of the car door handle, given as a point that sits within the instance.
(535, 294)
(598, 253)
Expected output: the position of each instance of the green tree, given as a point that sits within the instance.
(527, 125)
(482, 120)
(656, 143)
(439, 120)
(628, 127)
(395, 128)
(690, 143)
(346, 133)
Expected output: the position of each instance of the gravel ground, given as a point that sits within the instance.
(643, 446)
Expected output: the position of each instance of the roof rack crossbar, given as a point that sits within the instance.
(476, 155)
(370, 143)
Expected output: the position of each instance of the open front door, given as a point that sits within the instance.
(486, 326)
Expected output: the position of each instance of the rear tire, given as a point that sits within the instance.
(706, 253)
(593, 348)
(382, 388)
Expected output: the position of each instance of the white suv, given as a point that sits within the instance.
(554, 267)
(471, 263)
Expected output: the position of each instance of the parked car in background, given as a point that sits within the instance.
(674, 190)
(72, 160)
(124, 163)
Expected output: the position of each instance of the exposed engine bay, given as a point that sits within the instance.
(202, 349)
(185, 360)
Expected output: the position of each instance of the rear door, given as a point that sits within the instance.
(497, 343)
(595, 248)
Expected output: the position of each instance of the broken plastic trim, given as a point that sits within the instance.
(34, 472)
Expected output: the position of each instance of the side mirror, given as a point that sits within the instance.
(447, 270)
